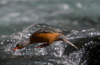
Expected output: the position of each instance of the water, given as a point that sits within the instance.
(58, 53)
(68, 14)
(78, 19)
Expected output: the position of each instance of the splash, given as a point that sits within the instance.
(57, 53)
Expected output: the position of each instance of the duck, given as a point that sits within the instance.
(46, 36)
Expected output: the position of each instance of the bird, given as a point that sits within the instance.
(46, 36)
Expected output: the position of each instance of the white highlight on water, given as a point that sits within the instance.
(79, 5)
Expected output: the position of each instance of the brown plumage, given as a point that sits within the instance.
(46, 36)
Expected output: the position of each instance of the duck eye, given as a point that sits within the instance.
(17, 45)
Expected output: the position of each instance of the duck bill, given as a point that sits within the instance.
(15, 48)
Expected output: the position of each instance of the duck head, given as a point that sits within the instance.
(21, 45)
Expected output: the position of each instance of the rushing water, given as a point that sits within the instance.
(78, 19)
(58, 53)
(15, 15)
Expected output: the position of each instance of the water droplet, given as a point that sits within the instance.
(1, 42)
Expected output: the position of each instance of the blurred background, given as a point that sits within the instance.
(15, 15)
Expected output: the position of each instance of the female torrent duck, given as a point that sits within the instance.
(46, 36)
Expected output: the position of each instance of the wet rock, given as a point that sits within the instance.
(92, 52)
